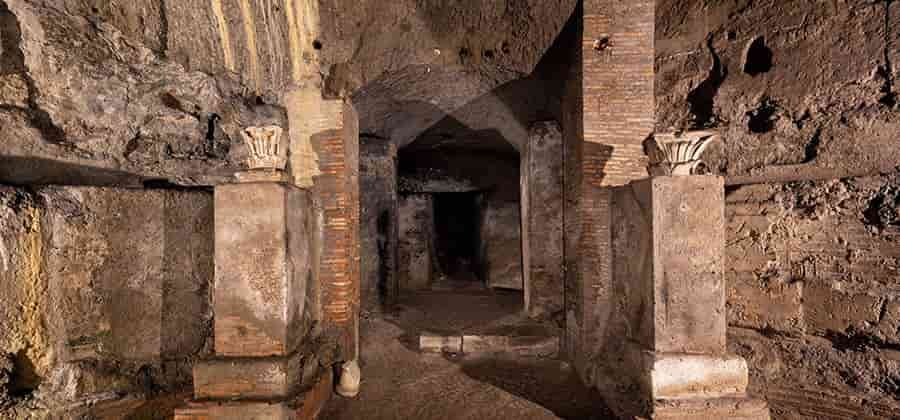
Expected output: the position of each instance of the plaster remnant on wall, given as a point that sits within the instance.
(224, 34)
(303, 28)
(308, 114)
(250, 34)
(4, 257)
(35, 294)
(293, 40)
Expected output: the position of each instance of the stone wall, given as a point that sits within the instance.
(415, 253)
(813, 301)
(378, 217)
(542, 221)
(106, 292)
(501, 241)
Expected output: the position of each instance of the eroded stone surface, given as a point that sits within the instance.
(106, 277)
(262, 266)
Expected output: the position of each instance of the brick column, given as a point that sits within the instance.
(337, 195)
(609, 112)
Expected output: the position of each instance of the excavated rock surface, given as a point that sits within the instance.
(98, 92)
(805, 95)
(104, 296)
(813, 294)
(799, 89)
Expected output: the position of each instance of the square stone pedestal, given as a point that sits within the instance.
(262, 265)
(666, 333)
(263, 231)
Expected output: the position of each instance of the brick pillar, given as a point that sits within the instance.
(609, 112)
(337, 195)
(618, 71)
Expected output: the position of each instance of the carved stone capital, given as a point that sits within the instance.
(678, 153)
(264, 148)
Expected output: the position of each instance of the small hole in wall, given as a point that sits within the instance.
(24, 377)
(317, 44)
(602, 44)
(758, 58)
(488, 54)
(762, 119)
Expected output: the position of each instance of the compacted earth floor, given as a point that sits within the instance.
(399, 382)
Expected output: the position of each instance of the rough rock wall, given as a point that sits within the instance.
(801, 91)
(121, 92)
(813, 294)
(82, 103)
(114, 291)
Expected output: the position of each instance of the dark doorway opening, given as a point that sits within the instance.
(457, 241)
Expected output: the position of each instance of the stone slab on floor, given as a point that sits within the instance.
(429, 343)
(525, 346)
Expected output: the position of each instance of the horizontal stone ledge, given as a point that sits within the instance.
(526, 346)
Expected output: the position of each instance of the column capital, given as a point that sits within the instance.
(678, 153)
(266, 154)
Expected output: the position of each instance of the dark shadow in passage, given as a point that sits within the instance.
(545, 382)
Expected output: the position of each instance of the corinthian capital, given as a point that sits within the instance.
(264, 148)
(678, 153)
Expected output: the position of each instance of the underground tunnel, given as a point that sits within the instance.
(361, 209)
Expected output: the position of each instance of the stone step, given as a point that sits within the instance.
(525, 346)
(306, 406)
(733, 407)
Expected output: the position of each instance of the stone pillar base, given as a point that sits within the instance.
(679, 376)
(686, 386)
(230, 378)
(305, 406)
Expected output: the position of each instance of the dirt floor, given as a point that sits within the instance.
(401, 383)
